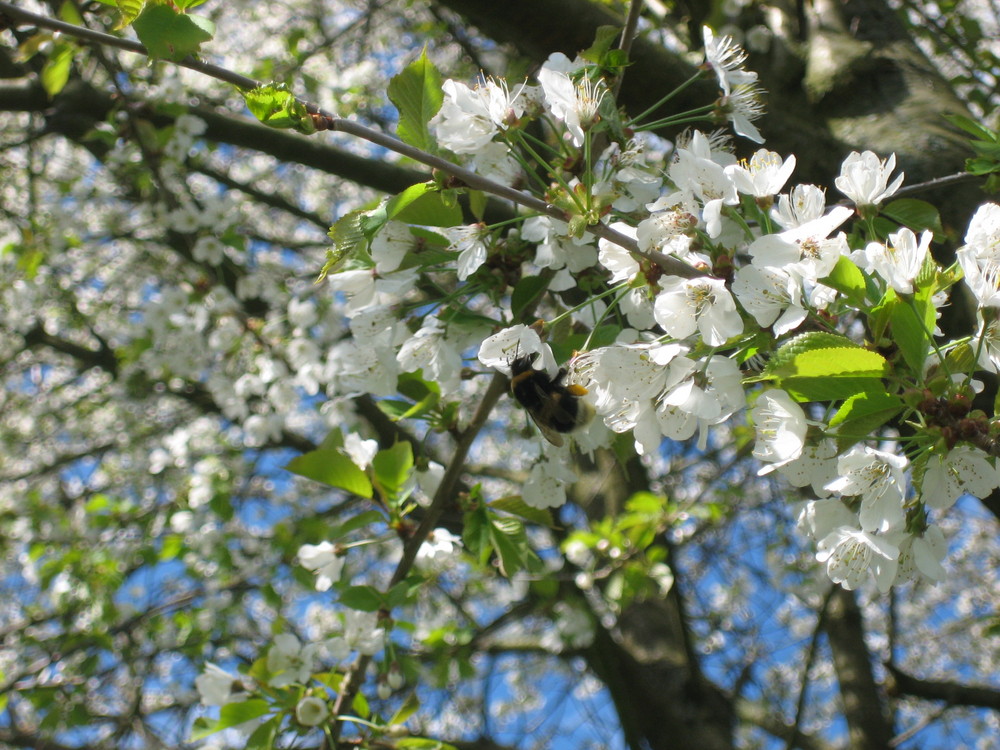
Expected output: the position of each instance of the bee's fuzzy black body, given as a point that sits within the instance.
(554, 407)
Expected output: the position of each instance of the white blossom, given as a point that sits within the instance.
(470, 118)
(360, 451)
(699, 169)
(289, 661)
(818, 518)
(619, 261)
(704, 304)
(804, 203)
(772, 295)
(980, 256)
(546, 483)
(781, 429)
(726, 58)
(361, 632)
(900, 260)
(390, 246)
(806, 249)
(877, 477)
(964, 470)
(323, 560)
(217, 687)
(470, 244)
(865, 179)
(500, 349)
(430, 350)
(817, 466)
(921, 554)
(555, 248)
(575, 104)
(850, 554)
(764, 175)
(440, 548)
(742, 106)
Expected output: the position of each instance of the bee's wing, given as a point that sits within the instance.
(547, 432)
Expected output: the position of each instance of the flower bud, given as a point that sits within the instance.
(311, 711)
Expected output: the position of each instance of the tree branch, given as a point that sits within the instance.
(869, 727)
(952, 693)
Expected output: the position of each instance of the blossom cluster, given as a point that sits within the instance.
(773, 270)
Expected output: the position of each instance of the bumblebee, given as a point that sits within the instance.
(554, 407)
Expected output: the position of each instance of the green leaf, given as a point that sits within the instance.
(476, 533)
(205, 24)
(263, 736)
(848, 279)
(172, 546)
(392, 468)
(277, 107)
(405, 592)
(362, 598)
(416, 92)
(410, 706)
(823, 366)
(526, 292)
(422, 743)
(916, 214)
(989, 151)
(863, 413)
(349, 239)
(399, 202)
(913, 321)
(819, 354)
(69, 13)
(230, 715)
(828, 389)
(360, 706)
(972, 127)
(477, 203)
(515, 505)
(843, 362)
(129, 10)
(981, 166)
(168, 34)
(510, 543)
(55, 72)
(331, 468)
(424, 204)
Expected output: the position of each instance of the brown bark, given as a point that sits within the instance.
(868, 721)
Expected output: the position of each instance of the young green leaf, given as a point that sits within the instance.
(392, 468)
(916, 214)
(848, 279)
(230, 715)
(168, 34)
(423, 204)
(331, 468)
(362, 598)
(416, 92)
(276, 106)
(515, 505)
(55, 72)
(863, 413)
(913, 321)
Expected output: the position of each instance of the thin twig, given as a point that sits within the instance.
(628, 36)
(937, 182)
